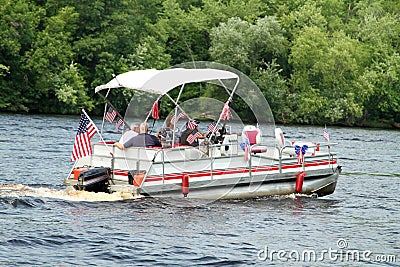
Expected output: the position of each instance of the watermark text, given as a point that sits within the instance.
(340, 253)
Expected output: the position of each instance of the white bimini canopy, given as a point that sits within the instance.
(162, 81)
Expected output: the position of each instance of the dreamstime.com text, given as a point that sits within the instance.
(339, 254)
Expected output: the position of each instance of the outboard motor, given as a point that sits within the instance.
(94, 180)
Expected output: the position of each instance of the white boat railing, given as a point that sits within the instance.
(209, 152)
(144, 159)
(312, 145)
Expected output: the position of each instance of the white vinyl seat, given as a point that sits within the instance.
(281, 143)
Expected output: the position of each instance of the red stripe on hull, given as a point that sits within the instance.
(173, 176)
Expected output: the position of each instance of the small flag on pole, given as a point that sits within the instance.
(326, 134)
(300, 152)
(154, 111)
(118, 125)
(111, 114)
(193, 136)
(213, 127)
(226, 113)
(300, 157)
(179, 114)
(82, 145)
(192, 124)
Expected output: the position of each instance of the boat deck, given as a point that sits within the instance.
(216, 167)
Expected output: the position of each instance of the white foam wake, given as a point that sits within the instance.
(70, 194)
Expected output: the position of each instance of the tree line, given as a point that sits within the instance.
(316, 61)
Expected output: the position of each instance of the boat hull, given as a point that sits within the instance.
(186, 172)
(316, 185)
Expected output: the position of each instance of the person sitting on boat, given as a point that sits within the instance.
(130, 133)
(143, 139)
(217, 137)
(189, 137)
(167, 133)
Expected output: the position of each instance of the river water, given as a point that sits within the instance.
(44, 225)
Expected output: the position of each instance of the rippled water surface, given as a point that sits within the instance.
(42, 224)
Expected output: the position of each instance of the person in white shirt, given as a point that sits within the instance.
(143, 139)
(130, 133)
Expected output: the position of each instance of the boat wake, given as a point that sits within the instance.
(69, 194)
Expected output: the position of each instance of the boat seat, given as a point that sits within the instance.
(253, 135)
(281, 143)
(259, 149)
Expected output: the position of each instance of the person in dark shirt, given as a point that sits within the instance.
(185, 134)
(132, 132)
(143, 139)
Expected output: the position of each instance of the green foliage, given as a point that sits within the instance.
(275, 90)
(70, 90)
(379, 89)
(4, 70)
(51, 52)
(330, 65)
(308, 15)
(309, 106)
(18, 23)
(245, 46)
(230, 44)
(323, 61)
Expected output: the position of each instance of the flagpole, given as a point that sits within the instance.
(229, 101)
(173, 133)
(119, 115)
(329, 146)
(219, 119)
(101, 137)
(105, 111)
(73, 167)
(97, 130)
(176, 112)
(148, 116)
(150, 112)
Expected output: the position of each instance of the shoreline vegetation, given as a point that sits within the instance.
(387, 125)
(332, 62)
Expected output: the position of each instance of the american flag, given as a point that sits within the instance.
(300, 151)
(213, 127)
(193, 136)
(226, 113)
(111, 114)
(179, 114)
(154, 111)
(119, 123)
(192, 124)
(326, 134)
(82, 145)
(300, 157)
